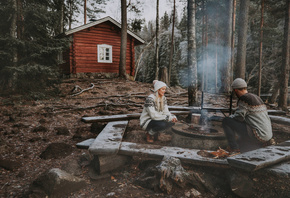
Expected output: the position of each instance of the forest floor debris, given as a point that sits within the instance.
(28, 127)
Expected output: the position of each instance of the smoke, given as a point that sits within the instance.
(212, 63)
(212, 66)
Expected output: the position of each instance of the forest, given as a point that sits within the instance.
(247, 39)
(197, 51)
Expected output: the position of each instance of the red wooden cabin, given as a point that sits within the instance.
(95, 48)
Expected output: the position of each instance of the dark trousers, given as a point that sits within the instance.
(156, 126)
(233, 127)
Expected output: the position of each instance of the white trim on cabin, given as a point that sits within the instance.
(88, 25)
(105, 54)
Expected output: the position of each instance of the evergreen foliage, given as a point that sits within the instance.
(30, 53)
(272, 43)
(36, 48)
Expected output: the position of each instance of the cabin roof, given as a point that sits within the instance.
(102, 20)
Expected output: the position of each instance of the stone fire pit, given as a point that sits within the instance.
(198, 136)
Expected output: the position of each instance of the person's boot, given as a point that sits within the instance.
(149, 138)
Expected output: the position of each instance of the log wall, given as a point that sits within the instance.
(83, 54)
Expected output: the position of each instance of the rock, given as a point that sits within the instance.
(56, 150)
(9, 164)
(72, 167)
(56, 183)
(111, 194)
(192, 193)
(85, 159)
(62, 131)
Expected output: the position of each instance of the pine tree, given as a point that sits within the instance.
(36, 48)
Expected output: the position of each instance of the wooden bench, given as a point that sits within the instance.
(262, 157)
(109, 140)
(186, 155)
(108, 146)
(110, 118)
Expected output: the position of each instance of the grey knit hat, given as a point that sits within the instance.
(239, 83)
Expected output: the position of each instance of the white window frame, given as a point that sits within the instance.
(105, 53)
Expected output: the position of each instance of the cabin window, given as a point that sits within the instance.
(105, 53)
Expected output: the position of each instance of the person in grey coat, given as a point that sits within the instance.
(250, 120)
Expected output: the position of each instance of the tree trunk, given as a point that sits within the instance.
(233, 39)
(163, 74)
(275, 92)
(137, 66)
(122, 67)
(216, 53)
(172, 45)
(206, 53)
(70, 13)
(242, 39)
(13, 30)
(203, 47)
(19, 19)
(285, 61)
(85, 11)
(157, 41)
(61, 20)
(192, 66)
(226, 63)
(261, 48)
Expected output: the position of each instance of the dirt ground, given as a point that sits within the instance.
(27, 127)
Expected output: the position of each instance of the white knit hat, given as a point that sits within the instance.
(158, 84)
(239, 83)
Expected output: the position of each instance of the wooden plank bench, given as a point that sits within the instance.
(280, 120)
(110, 118)
(186, 155)
(109, 140)
(152, 151)
(262, 157)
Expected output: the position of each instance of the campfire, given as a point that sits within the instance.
(200, 134)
